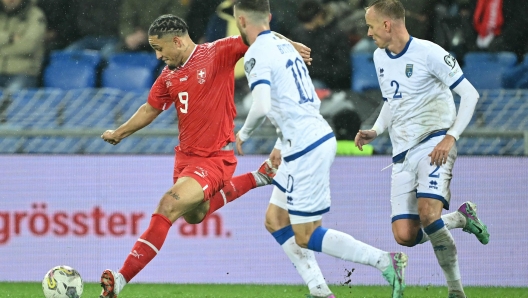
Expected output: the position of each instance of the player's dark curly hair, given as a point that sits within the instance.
(168, 24)
(258, 6)
(391, 8)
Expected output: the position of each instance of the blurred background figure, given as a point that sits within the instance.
(96, 23)
(200, 11)
(330, 46)
(21, 44)
(418, 17)
(346, 125)
(221, 24)
(135, 20)
(60, 17)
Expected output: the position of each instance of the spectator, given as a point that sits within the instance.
(222, 24)
(96, 23)
(346, 125)
(331, 66)
(488, 20)
(21, 44)
(418, 17)
(136, 20)
(59, 15)
(282, 15)
(200, 12)
(453, 27)
(514, 37)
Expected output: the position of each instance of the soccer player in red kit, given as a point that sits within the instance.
(199, 80)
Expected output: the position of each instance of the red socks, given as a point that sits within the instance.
(232, 190)
(147, 246)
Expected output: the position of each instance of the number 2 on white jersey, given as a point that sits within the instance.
(184, 100)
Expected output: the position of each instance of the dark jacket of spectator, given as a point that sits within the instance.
(135, 20)
(22, 39)
(97, 17)
(330, 46)
(200, 11)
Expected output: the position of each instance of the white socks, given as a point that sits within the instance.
(306, 264)
(344, 246)
(453, 220)
(446, 254)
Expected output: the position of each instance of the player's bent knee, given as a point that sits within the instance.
(167, 207)
(403, 242)
(302, 240)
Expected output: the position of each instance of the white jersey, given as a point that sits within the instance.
(294, 103)
(416, 85)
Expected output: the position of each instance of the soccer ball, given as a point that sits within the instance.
(62, 282)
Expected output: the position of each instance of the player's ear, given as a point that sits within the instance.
(177, 41)
(387, 26)
(269, 17)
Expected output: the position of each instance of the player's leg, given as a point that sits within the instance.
(308, 196)
(278, 224)
(183, 196)
(232, 190)
(464, 218)
(442, 242)
(313, 236)
(405, 220)
(433, 196)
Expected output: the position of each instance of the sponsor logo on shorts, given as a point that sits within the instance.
(201, 172)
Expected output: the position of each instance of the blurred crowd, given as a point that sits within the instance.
(31, 29)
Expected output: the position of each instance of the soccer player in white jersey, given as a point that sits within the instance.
(416, 78)
(283, 91)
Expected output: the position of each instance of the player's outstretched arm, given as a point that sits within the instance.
(303, 50)
(364, 137)
(143, 117)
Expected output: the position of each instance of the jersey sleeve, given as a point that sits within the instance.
(229, 50)
(257, 68)
(159, 96)
(444, 66)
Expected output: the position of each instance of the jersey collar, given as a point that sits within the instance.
(189, 58)
(401, 53)
(264, 32)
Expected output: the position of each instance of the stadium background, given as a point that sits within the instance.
(68, 197)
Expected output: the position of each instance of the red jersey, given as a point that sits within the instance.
(202, 90)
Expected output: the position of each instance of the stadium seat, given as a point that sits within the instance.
(146, 60)
(364, 75)
(485, 70)
(72, 69)
(127, 78)
(517, 78)
(82, 57)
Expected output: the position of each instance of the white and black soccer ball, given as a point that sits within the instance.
(62, 282)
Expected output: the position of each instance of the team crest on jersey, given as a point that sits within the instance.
(409, 70)
(450, 61)
(200, 74)
(248, 66)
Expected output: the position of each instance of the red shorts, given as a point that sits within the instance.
(211, 172)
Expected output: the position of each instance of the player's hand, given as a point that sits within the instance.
(239, 143)
(304, 51)
(110, 137)
(364, 137)
(275, 158)
(440, 152)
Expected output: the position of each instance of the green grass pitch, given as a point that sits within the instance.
(92, 290)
